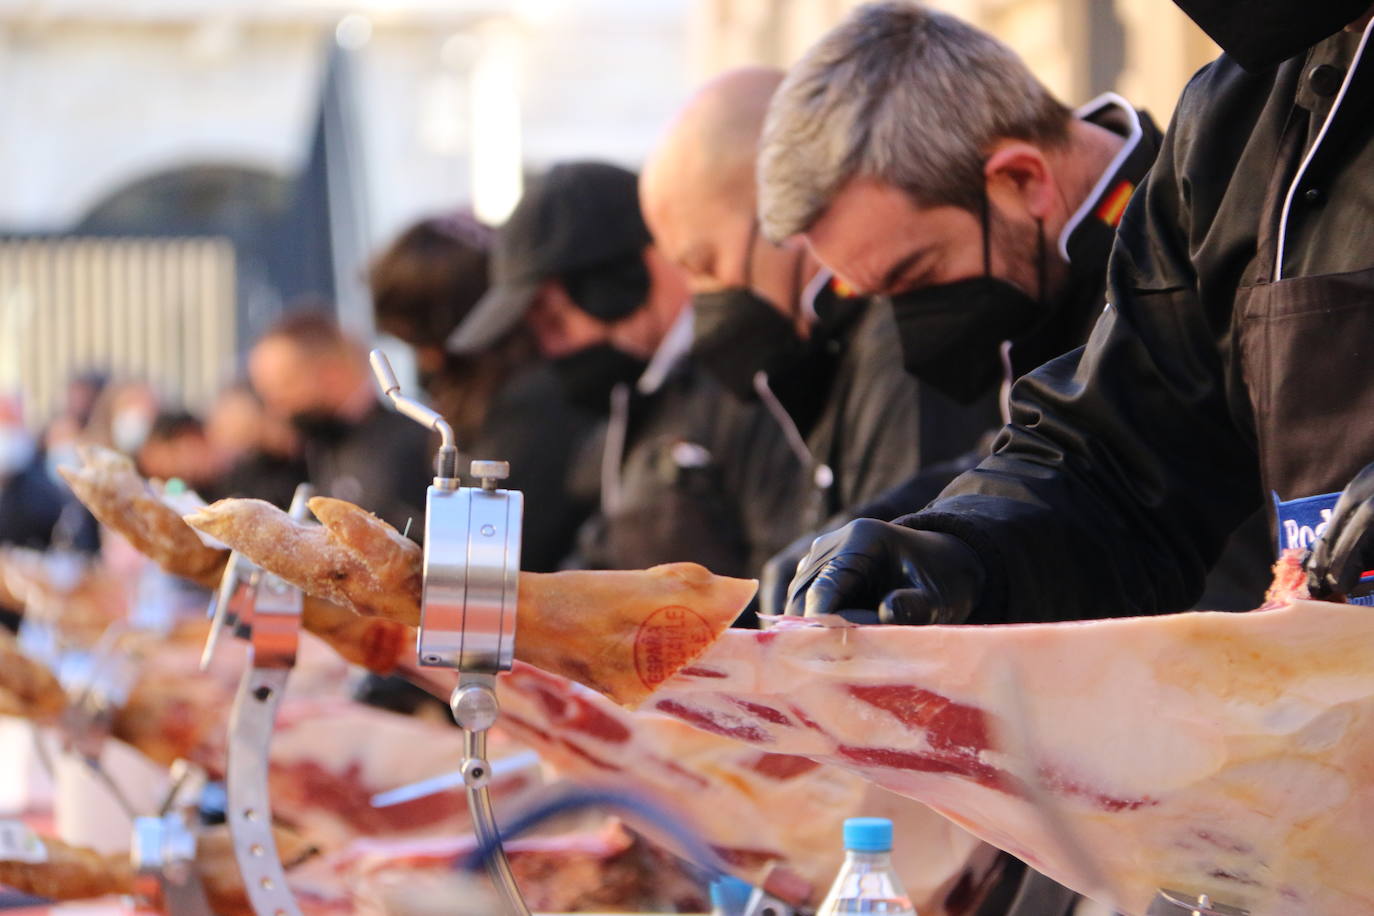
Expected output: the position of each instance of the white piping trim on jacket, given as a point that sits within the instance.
(1132, 141)
(1307, 160)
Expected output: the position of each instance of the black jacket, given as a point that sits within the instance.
(699, 476)
(1135, 457)
(383, 463)
(873, 426)
(531, 424)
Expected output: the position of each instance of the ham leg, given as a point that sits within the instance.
(620, 632)
(1220, 753)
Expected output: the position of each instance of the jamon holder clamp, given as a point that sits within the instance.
(268, 615)
(468, 603)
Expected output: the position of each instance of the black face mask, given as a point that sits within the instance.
(738, 334)
(952, 334)
(320, 425)
(589, 375)
(1261, 33)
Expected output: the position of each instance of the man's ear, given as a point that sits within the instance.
(1019, 179)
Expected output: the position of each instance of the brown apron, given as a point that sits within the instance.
(1306, 347)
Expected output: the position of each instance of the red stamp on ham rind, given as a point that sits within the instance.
(667, 640)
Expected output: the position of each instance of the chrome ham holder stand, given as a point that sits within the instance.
(467, 606)
(164, 847)
(266, 611)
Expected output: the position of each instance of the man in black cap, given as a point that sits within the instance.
(686, 472)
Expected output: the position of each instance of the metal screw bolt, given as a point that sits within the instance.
(474, 707)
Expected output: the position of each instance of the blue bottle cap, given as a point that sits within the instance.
(868, 834)
(730, 895)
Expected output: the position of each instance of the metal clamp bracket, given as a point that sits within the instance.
(235, 585)
(99, 681)
(164, 846)
(471, 578)
(272, 608)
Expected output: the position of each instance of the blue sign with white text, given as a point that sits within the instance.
(1302, 521)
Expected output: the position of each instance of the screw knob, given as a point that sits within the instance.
(490, 470)
(474, 707)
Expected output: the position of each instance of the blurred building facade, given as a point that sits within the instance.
(206, 118)
(296, 136)
(1144, 49)
(101, 94)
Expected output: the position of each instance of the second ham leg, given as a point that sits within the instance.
(1218, 753)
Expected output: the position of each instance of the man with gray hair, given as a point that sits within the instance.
(920, 159)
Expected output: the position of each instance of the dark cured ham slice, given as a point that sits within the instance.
(1219, 753)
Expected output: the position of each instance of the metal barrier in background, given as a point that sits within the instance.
(156, 309)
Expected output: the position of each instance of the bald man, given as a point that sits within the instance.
(769, 323)
(697, 192)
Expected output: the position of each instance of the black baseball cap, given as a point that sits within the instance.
(580, 219)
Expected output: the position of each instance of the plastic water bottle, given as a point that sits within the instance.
(867, 882)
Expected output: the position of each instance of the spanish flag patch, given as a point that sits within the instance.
(1114, 203)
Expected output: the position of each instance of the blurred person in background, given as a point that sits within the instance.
(177, 448)
(81, 394)
(688, 473)
(831, 365)
(77, 528)
(505, 401)
(122, 416)
(262, 450)
(309, 372)
(30, 502)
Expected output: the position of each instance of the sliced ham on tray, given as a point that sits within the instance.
(774, 819)
(1205, 752)
(596, 867)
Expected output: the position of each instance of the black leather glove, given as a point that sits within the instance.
(908, 576)
(777, 575)
(1346, 548)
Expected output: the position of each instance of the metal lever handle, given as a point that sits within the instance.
(425, 416)
(446, 462)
